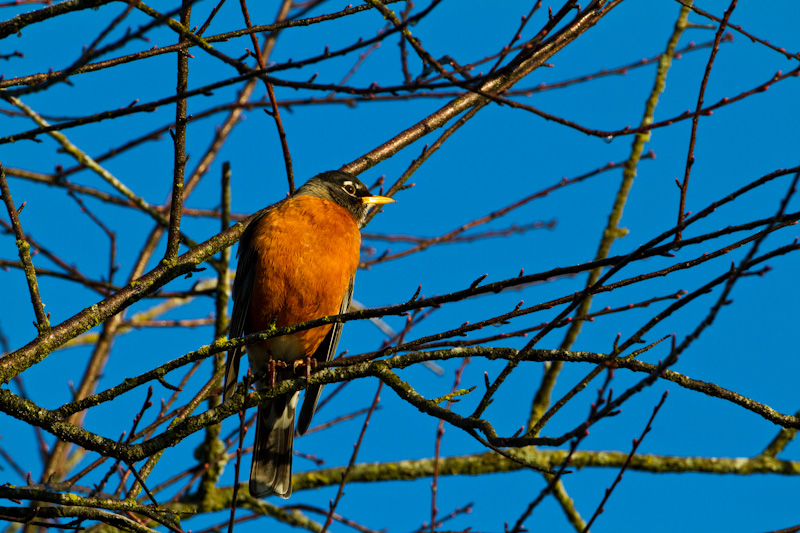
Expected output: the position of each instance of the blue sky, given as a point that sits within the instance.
(501, 155)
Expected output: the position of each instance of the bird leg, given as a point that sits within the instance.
(273, 367)
(309, 362)
(271, 372)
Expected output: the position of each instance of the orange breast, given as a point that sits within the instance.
(307, 249)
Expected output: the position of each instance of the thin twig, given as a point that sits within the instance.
(42, 320)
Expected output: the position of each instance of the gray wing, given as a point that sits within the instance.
(325, 352)
(242, 286)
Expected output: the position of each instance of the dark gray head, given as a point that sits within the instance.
(344, 189)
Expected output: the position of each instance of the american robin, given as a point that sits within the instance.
(297, 262)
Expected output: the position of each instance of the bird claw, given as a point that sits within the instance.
(309, 362)
(273, 370)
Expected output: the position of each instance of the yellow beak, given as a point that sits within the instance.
(377, 200)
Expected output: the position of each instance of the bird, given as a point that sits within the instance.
(297, 261)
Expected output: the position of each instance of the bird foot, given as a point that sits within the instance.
(273, 370)
(308, 362)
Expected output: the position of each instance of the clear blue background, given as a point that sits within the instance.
(500, 156)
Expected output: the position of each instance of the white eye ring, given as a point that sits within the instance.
(349, 188)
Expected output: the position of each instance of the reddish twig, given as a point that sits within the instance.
(74, 273)
(339, 518)
(517, 35)
(582, 434)
(523, 332)
(337, 420)
(211, 16)
(590, 290)
(402, 44)
(684, 186)
(12, 463)
(448, 237)
(242, 430)
(112, 237)
(276, 115)
(352, 462)
(753, 38)
(438, 446)
(636, 443)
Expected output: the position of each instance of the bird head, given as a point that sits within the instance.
(344, 189)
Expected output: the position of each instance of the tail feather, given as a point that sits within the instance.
(271, 470)
(309, 407)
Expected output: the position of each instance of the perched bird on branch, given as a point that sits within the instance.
(297, 262)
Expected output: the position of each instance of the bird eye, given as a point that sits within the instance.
(349, 188)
